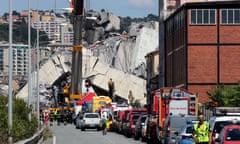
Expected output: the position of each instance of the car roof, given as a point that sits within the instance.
(232, 126)
(224, 118)
(91, 113)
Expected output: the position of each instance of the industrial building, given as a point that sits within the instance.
(202, 46)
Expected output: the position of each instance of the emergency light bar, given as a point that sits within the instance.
(230, 111)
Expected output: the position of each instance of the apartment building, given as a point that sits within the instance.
(20, 59)
(57, 28)
(202, 47)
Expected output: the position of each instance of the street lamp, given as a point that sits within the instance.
(29, 60)
(37, 75)
(10, 141)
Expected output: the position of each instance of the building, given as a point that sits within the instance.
(20, 60)
(172, 5)
(152, 62)
(202, 47)
(57, 28)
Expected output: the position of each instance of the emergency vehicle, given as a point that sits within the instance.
(169, 101)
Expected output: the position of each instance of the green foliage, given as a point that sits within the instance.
(136, 103)
(125, 22)
(20, 34)
(22, 127)
(3, 119)
(20, 31)
(228, 96)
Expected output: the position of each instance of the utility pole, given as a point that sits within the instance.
(29, 61)
(10, 66)
(76, 79)
(162, 10)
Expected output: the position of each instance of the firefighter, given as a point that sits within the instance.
(58, 118)
(103, 124)
(51, 118)
(46, 117)
(109, 122)
(65, 117)
(201, 133)
(55, 114)
(111, 88)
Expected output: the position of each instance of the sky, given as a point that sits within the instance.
(123, 8)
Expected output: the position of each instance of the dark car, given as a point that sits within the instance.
(129, 124)
(138, 127)
(173, 126)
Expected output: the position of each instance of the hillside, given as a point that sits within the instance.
(20, 31)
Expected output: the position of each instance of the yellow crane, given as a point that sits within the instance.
(73, 91)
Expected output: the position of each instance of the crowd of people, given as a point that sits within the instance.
(48, 117)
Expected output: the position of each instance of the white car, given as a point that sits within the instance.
(90, 121)
(218, 122)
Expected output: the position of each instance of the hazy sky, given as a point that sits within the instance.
(132, 8)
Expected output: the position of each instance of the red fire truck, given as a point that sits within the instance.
(169, 101)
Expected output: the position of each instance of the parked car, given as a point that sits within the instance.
(79, 121)
(129, 124)
(229, 135)
(124, 116)
(217, 123)
(90, 121)
(138, 127)
(144, 129)
(173, 125)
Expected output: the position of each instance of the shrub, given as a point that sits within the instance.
(22, 127)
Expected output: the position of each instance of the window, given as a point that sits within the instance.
(230, 16)
(203, 16)
(233, 134)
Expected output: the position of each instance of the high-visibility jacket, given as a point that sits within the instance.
(202, 132)
(109, 122)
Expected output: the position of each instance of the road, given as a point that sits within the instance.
(68, 134)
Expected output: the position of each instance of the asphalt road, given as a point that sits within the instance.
(68, 134)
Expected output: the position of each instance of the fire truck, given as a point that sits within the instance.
(169, 101)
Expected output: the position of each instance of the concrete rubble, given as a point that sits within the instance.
(118, 56)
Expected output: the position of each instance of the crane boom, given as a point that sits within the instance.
(76, 79)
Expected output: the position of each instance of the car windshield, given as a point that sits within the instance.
(91, 116)
(233, 135)
(135, 118)
(177, 122)
(143, 119)
(220, 124)
(189, 130)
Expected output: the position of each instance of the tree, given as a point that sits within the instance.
(136, 103)
(228, 96)
(22, 127)
(20, 32)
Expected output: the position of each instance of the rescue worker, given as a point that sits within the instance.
(109, 122)
(65, 117)
(55, 114)
(104, 125)
(111, 88)
(42, 117)
(201, 132)
(130, 98)
(46, 117)
(51, 118)
(58, 118)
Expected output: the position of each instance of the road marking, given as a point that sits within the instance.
(54, 139)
